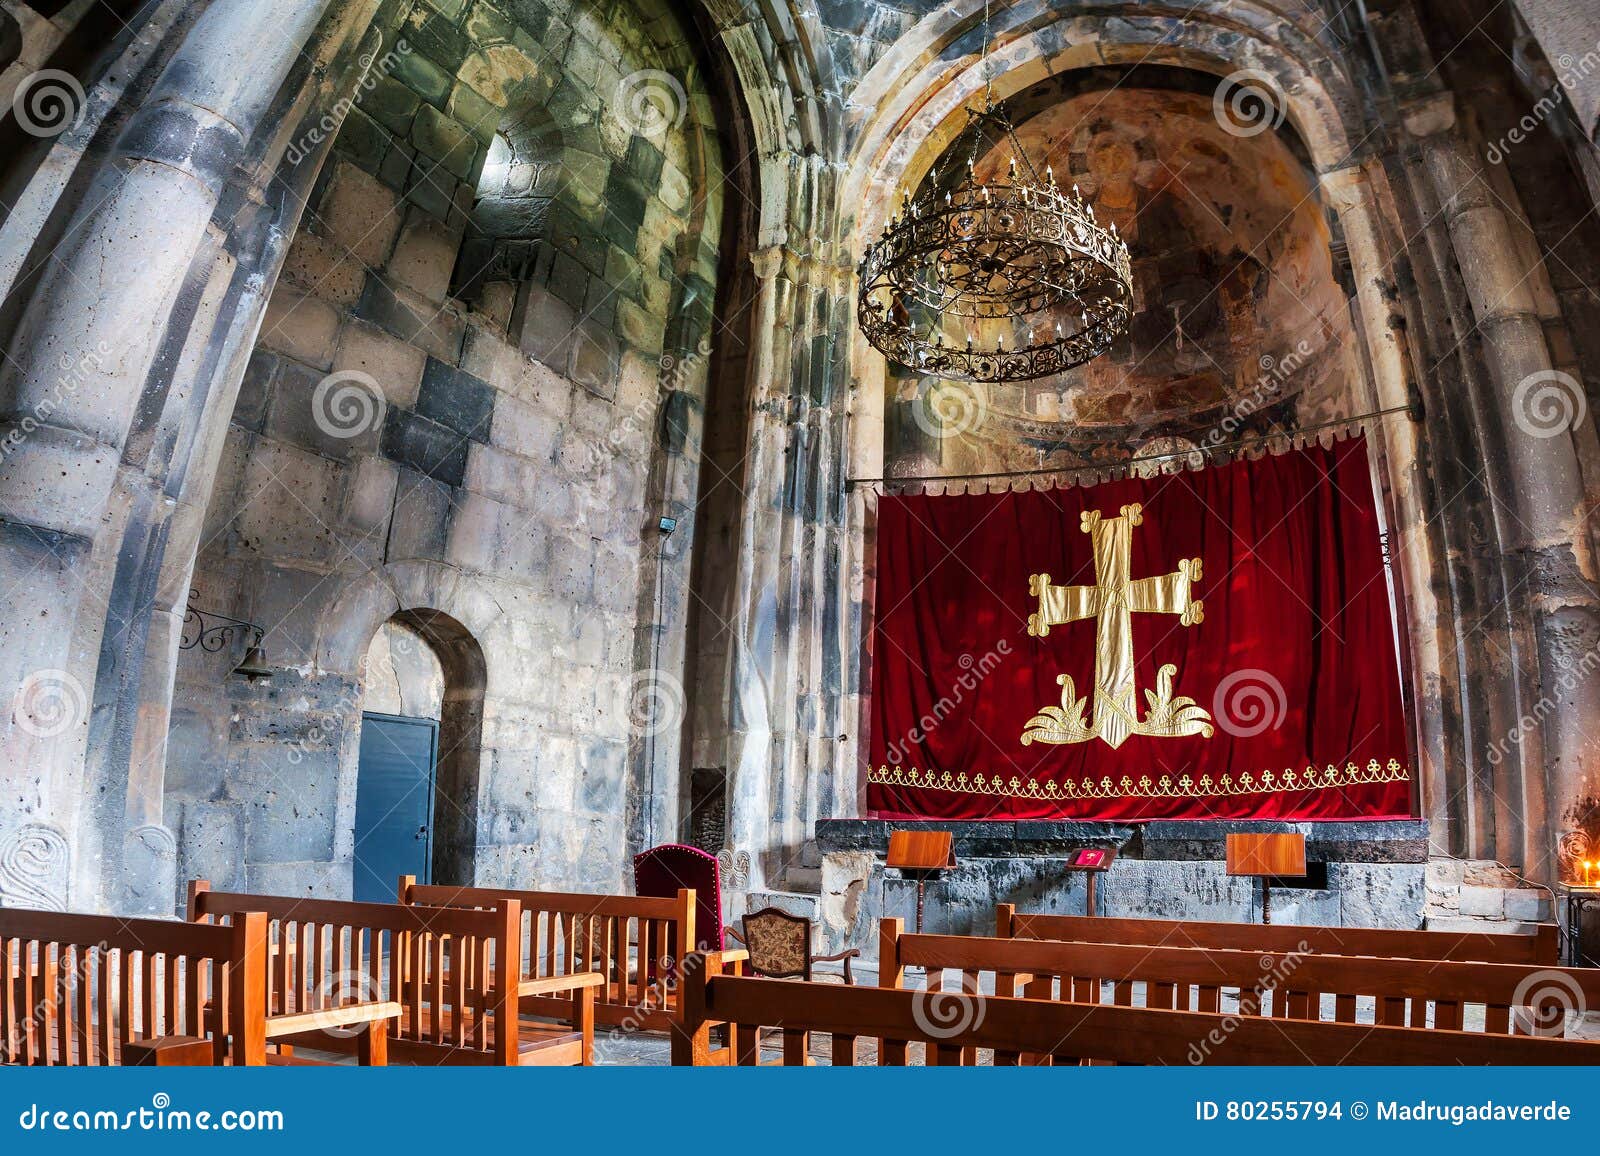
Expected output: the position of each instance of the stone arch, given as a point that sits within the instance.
(427, 599)
(1232, 263)
(277, 104)
(912, 102)
(905, 127)
(459, 769)
(911, 106)
(623, 295)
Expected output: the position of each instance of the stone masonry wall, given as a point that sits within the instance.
(1163, 870)
(1478, 895)
(1379, 875)
(393, 450)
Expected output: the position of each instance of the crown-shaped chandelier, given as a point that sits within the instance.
(1021, 256)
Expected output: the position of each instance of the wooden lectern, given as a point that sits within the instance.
(921, 855)
(1091, 861)
(1267, 857)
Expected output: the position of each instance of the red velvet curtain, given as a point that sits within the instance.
(1291, 664)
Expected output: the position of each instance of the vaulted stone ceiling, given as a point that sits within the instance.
(1233, 273)
(1238, 309)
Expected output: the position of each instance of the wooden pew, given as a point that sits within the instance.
(1294, 985)
(630, 942)
(1014, 1028)
(96, 990)
(1540, 948)
(443, 980)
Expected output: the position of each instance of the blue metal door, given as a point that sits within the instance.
(394, 803)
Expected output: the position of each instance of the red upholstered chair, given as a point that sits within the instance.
(662, 870)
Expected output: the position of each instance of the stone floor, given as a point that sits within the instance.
(638, 1050)
(650, 1049)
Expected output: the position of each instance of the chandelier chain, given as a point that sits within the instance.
(1002, 257)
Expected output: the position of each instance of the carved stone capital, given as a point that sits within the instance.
(767, 261)
(1345, 188)
(1430, 116)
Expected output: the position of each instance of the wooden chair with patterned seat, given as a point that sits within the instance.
(779, 945)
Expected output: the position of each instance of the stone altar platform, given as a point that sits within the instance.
(1377, 875)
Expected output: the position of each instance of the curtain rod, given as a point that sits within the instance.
(1412, 410)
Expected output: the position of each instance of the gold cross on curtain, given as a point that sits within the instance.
(1113, 600)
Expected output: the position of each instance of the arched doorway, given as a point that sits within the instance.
(418, 755)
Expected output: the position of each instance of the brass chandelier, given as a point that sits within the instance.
(1021, 255)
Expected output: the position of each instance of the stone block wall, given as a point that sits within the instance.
(1162, 871)
(397, 448)
(1379, 875)
(1480, 895)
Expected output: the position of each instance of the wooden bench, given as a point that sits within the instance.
(632, 942)
(1540, 948)
(1295, 985)
(1020, 1030)
(97, 990)
(442, 980)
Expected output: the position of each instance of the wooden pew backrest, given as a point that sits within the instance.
(1512, 998)
(324, 953)
(1540, 948)
(1045, 1030)
(86, 989)
(632, 941)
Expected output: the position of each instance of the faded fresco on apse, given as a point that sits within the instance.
(1238, 311)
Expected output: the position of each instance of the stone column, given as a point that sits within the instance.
(753, 618)
(1538, 489)
(1351, 194)
(95, 343)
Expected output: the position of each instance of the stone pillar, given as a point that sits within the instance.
(1351, 194)
(95, 343)
(753, 619)
(1539, 496)
(861, 564)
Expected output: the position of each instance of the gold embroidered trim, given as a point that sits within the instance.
(1310, 779)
